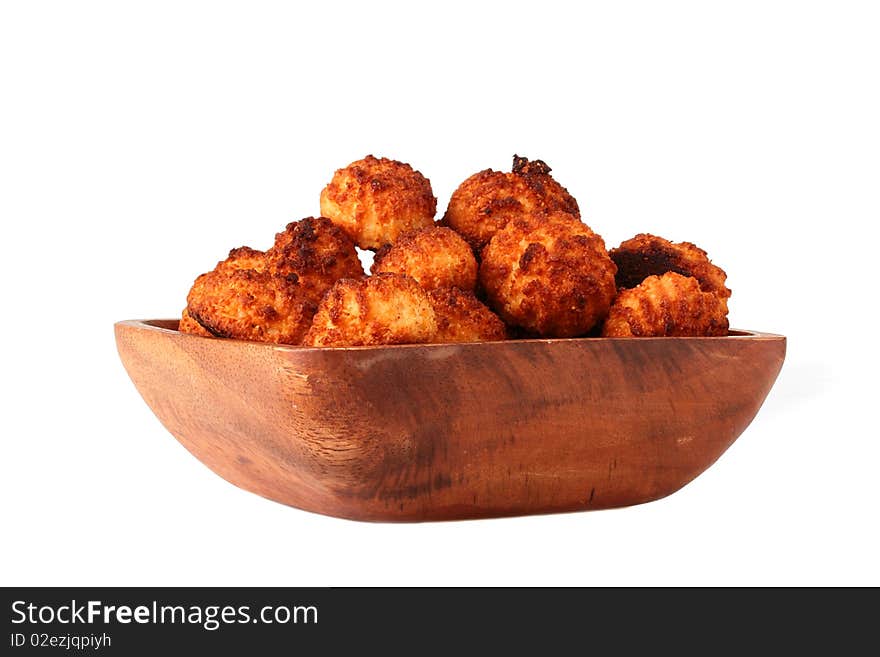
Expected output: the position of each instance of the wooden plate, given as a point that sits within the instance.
(452, 431)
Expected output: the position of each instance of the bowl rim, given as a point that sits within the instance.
(156, 325)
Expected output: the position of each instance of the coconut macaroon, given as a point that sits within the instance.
(667, 305)
(242, 257)
(247, 304)
(435, 257)
(375, 200)
(548, 274)
(485, 202)
(381, 309)
(318, 252)
(270, 296)
(188, 325)
(648, 255)
(462, 318)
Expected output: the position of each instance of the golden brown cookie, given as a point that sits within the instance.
(435, 257)
(375, 200)
(648, 255)
(318, 252)
(462, 318)
(548, 274)
(667, 305)
(485, 202)
(381, 309)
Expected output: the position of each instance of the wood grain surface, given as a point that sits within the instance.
(443, 432)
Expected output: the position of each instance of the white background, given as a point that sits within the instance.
(140, 141)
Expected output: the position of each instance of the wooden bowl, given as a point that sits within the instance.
(452, 431)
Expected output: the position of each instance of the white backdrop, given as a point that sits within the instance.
(140, 141)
